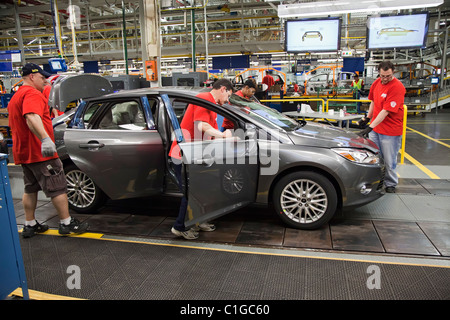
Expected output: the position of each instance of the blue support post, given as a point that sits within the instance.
(12, 269)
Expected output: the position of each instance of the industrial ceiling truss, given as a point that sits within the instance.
(94, 29)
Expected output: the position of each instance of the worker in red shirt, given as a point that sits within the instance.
(34, 149)
(386, 115)
(247, 91)
(268, 80)
(198, 123)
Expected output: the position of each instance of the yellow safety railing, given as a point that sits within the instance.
(345, 100)
(294, 100)
(402, 150)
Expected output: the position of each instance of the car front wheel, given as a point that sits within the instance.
(305, 200)
(83, 194)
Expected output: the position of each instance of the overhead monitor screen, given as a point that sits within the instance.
(309, 35)
(401, 31)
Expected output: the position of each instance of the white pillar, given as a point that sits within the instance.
(149, 17)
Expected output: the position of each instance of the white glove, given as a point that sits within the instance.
(48, 148)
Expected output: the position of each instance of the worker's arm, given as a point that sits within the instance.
(207, 129)
(36, 126)
(380, 117)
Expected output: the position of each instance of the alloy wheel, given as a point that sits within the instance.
(303, 201)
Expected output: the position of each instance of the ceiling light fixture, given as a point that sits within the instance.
(323, 8)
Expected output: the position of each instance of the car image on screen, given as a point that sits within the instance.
(312, 34)
(394, 32)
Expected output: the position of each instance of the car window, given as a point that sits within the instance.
(90, 111)
(180, 108)
(123, 116)
(269, 116)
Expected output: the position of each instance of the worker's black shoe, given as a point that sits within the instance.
(75, 226)
(29, 231)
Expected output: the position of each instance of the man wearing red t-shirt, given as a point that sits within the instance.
(387, 96)
(34, 149)
(198, 124)
(247, 91)
(268, 80)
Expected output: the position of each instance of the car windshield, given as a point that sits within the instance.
(268, 116)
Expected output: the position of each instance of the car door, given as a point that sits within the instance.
(221, 175)
(118, 147)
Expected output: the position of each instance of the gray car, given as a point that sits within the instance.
(116, 146)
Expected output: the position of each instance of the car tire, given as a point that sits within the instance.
(83, 194)
(302, 209)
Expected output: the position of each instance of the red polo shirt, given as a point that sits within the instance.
(194, 113)
(26, 146)
(390, 97)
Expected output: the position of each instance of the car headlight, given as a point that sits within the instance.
(358, 155)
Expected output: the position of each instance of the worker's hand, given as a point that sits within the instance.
(227, 134)
(48, 148)
(362, 123)
(365, 132)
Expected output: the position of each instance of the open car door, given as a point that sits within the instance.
(221, 175)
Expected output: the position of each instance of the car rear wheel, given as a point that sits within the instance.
(83, 194)
(305, 200)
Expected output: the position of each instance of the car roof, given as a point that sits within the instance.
(177, 91)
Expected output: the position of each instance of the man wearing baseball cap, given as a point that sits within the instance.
(30, 68)
(34, 149)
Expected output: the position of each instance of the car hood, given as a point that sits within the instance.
(326, 136)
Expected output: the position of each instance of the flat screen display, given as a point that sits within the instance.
(309, 35)
(401, 31)
(56, 65)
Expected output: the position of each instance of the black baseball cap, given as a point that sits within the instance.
(30, 68)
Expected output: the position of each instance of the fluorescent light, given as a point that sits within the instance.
(323, 8)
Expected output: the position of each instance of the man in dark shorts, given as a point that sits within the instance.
(34, 149)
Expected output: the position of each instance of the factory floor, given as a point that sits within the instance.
(130, 253)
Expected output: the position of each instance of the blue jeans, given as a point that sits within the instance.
(389, 147)
(179, 222)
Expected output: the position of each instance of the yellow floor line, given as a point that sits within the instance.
(99, 236)
(88, 235)
(37, 295)
(427, 171)
(428, 137)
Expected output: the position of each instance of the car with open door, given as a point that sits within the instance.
(117, 146)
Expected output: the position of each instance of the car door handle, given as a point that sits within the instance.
(208, 161)
(91, 144)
